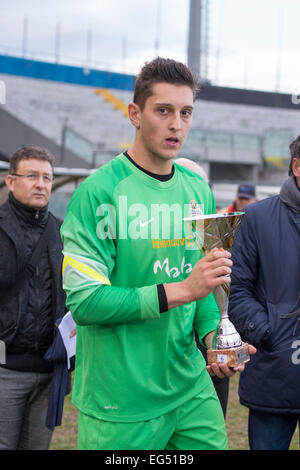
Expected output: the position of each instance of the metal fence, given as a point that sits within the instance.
(83, 148)
(271, 149)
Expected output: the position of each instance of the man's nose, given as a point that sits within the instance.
(175, 122)
(40, 181)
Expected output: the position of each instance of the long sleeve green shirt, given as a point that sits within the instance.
(123, 235)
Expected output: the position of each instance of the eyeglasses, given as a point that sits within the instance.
(34, 177)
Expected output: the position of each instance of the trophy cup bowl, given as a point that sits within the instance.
(218, 231)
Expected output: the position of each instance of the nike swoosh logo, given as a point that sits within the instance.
(143, 224)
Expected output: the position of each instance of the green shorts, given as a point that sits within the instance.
(198, 424)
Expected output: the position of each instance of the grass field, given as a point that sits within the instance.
(65, 436)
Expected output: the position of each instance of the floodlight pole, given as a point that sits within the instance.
(194, 37)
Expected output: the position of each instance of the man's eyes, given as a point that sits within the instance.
(184, 113)
(187, 112)
(163, 110)
(34, 177)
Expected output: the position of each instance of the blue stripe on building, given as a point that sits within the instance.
(65, 73)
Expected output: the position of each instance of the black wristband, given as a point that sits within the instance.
(162, 298)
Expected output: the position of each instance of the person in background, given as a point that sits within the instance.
(221, 384)
(194, 166)
(264, 306)
(246, 194)
(31, 299)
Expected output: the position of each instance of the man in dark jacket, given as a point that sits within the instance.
(27, 316)
(265, 308)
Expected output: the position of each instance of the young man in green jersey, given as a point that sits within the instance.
(137, 288)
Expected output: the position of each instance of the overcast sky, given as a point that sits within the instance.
(252, 43)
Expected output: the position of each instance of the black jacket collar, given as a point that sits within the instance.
(26, 214)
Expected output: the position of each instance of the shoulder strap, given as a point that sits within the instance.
(28, 271)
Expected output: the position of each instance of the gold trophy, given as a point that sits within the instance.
(218, 231)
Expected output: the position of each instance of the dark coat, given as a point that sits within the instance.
(12, 260)
(265, 305)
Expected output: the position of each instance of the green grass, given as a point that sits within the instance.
(236, 419)
(65, 436)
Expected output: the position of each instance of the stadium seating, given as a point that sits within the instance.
(111, 98)
(221, 132)
(49, 106)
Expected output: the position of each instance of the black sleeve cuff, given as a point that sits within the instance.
(162, 298)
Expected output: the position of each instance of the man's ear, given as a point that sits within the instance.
(9, 181)
(134, 114)
(296, 167)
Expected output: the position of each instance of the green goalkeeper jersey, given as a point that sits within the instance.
(124, 235)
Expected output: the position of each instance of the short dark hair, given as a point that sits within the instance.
(28, 152)
(162, 70)
(295, 153)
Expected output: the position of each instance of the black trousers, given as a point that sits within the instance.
(221, 385)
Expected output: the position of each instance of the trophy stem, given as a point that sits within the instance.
(218, 231)
(227, 336)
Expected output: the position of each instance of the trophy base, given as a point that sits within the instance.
(233, 357)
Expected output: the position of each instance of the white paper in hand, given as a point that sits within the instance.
(65, 327)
